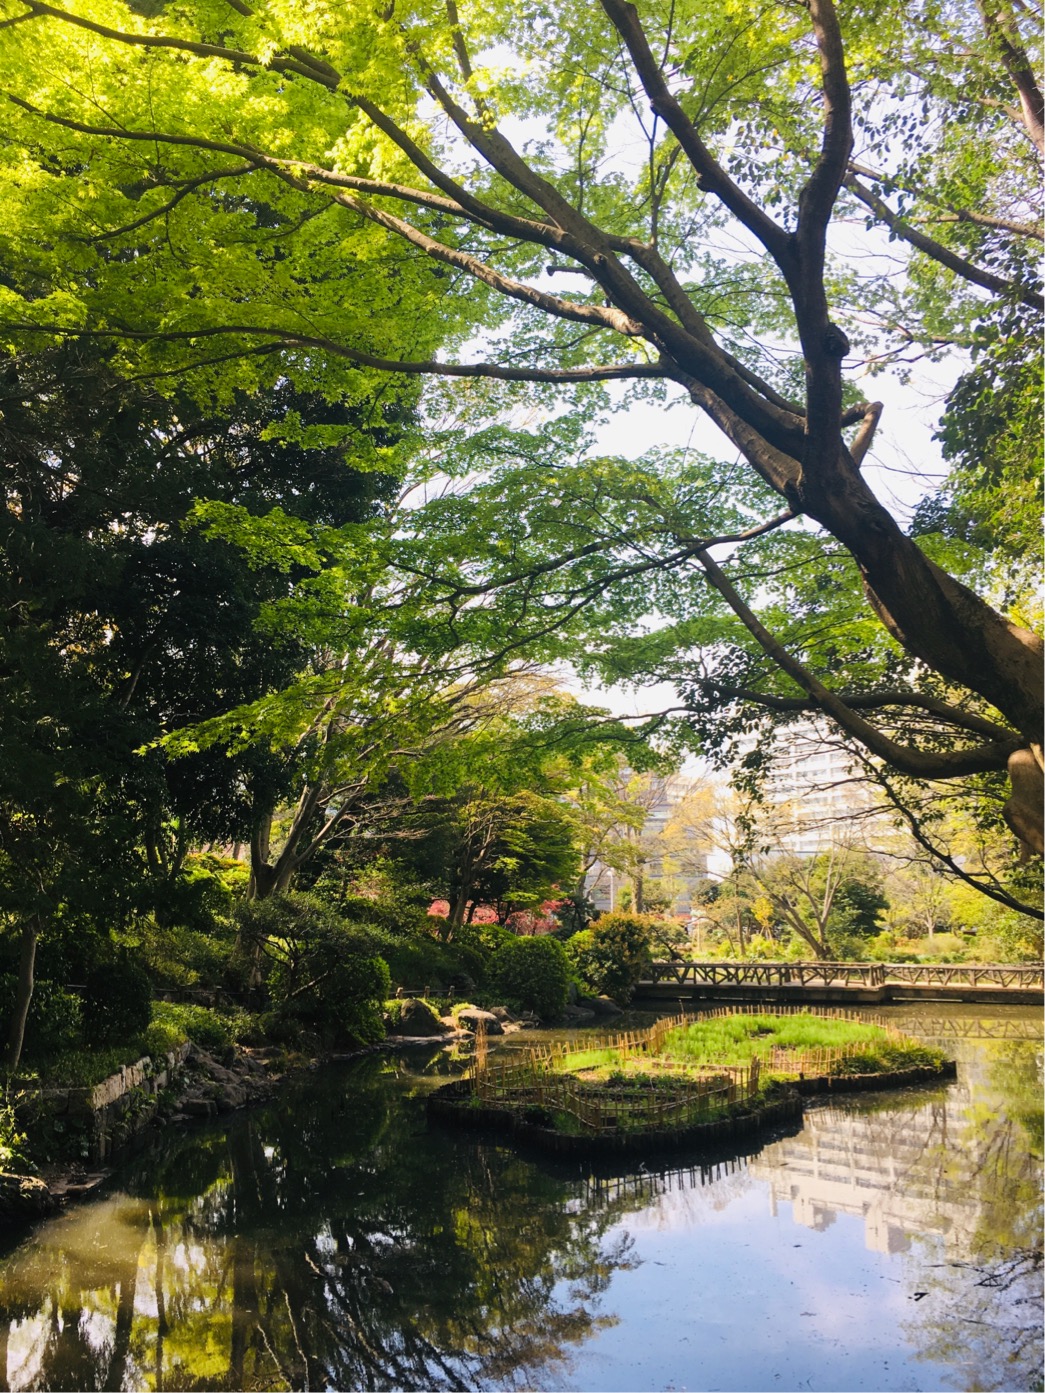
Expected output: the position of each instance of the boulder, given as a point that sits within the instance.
(502, 1013)
(23, 1198)
(577, 1015)
(416, 1017)
(601, 1005)
(199, 1107)
(470, 1020)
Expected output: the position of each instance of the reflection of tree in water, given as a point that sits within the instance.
(982, 1319)
(328, 1243)
(953, 1176)
(986, 1297)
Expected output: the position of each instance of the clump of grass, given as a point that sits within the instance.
(84, 1068)
(737, 1040)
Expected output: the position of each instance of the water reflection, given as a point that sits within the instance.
(333, 1241)
(320, 1244)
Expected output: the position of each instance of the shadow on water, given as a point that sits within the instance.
(331, 1239)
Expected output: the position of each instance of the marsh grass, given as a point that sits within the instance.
(798, 1042)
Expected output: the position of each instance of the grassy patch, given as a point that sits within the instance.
(82, 1068)
(737, 1040)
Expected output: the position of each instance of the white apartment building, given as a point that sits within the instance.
(815, 793)
(678, 867)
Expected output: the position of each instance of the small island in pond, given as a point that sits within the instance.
(681, 1081)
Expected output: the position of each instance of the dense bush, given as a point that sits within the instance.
(532, 974)
(202, 896)
(178, 956)
(611, 956)
(55, 1018)
(422, 961)
(320, 973)
(173, 1022)
(117, 1002)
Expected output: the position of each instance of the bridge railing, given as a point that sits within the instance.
(725, 973)
(967, 974)
(766, 974)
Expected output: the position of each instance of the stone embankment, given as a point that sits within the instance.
(86, 1126)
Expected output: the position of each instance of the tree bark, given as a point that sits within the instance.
(23, 992)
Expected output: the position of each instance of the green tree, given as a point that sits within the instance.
(259, 163)
(122, 622)
(612, 955)
(533, 974)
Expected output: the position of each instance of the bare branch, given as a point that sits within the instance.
(992, 891)
(863, 437)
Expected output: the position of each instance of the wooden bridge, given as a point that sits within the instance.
(857, 983)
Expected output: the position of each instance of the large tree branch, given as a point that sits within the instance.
(960, 265)
(817, 199)
(895, 699)
(966, 215)
(770, 415)
(710, 175)
(603, 315)
(289, 338)
(1003, 34)
(919, 763)
(692, 348)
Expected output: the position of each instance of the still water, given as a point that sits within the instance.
(331, 1240)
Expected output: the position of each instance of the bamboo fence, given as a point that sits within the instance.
(540, 1078)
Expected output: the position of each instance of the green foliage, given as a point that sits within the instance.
(422, 961)
(321, 974)
(201, 896)
(611, 956)
(82, 1068)
(55, 1018)
(740, 1038)
(177, 956)
(857, 906)
(13, 1155)
(392, 1011)
(163, 1035)
(532, 974)
(212, 1029)
(116, 1002)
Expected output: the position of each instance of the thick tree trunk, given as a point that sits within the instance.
(23, 993)
(935, 617)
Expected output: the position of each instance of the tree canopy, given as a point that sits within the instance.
(745, 209)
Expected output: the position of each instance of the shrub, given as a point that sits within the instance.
(12, 1141)
(162, 1036)
(611, 956)
(420, 962)
(117, 1002)
(203, 1026)
(533, 974)
(322, 974)
(201, 896)
(178, 956)
(55, 1018)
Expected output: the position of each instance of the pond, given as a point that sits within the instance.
(333, 1240)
